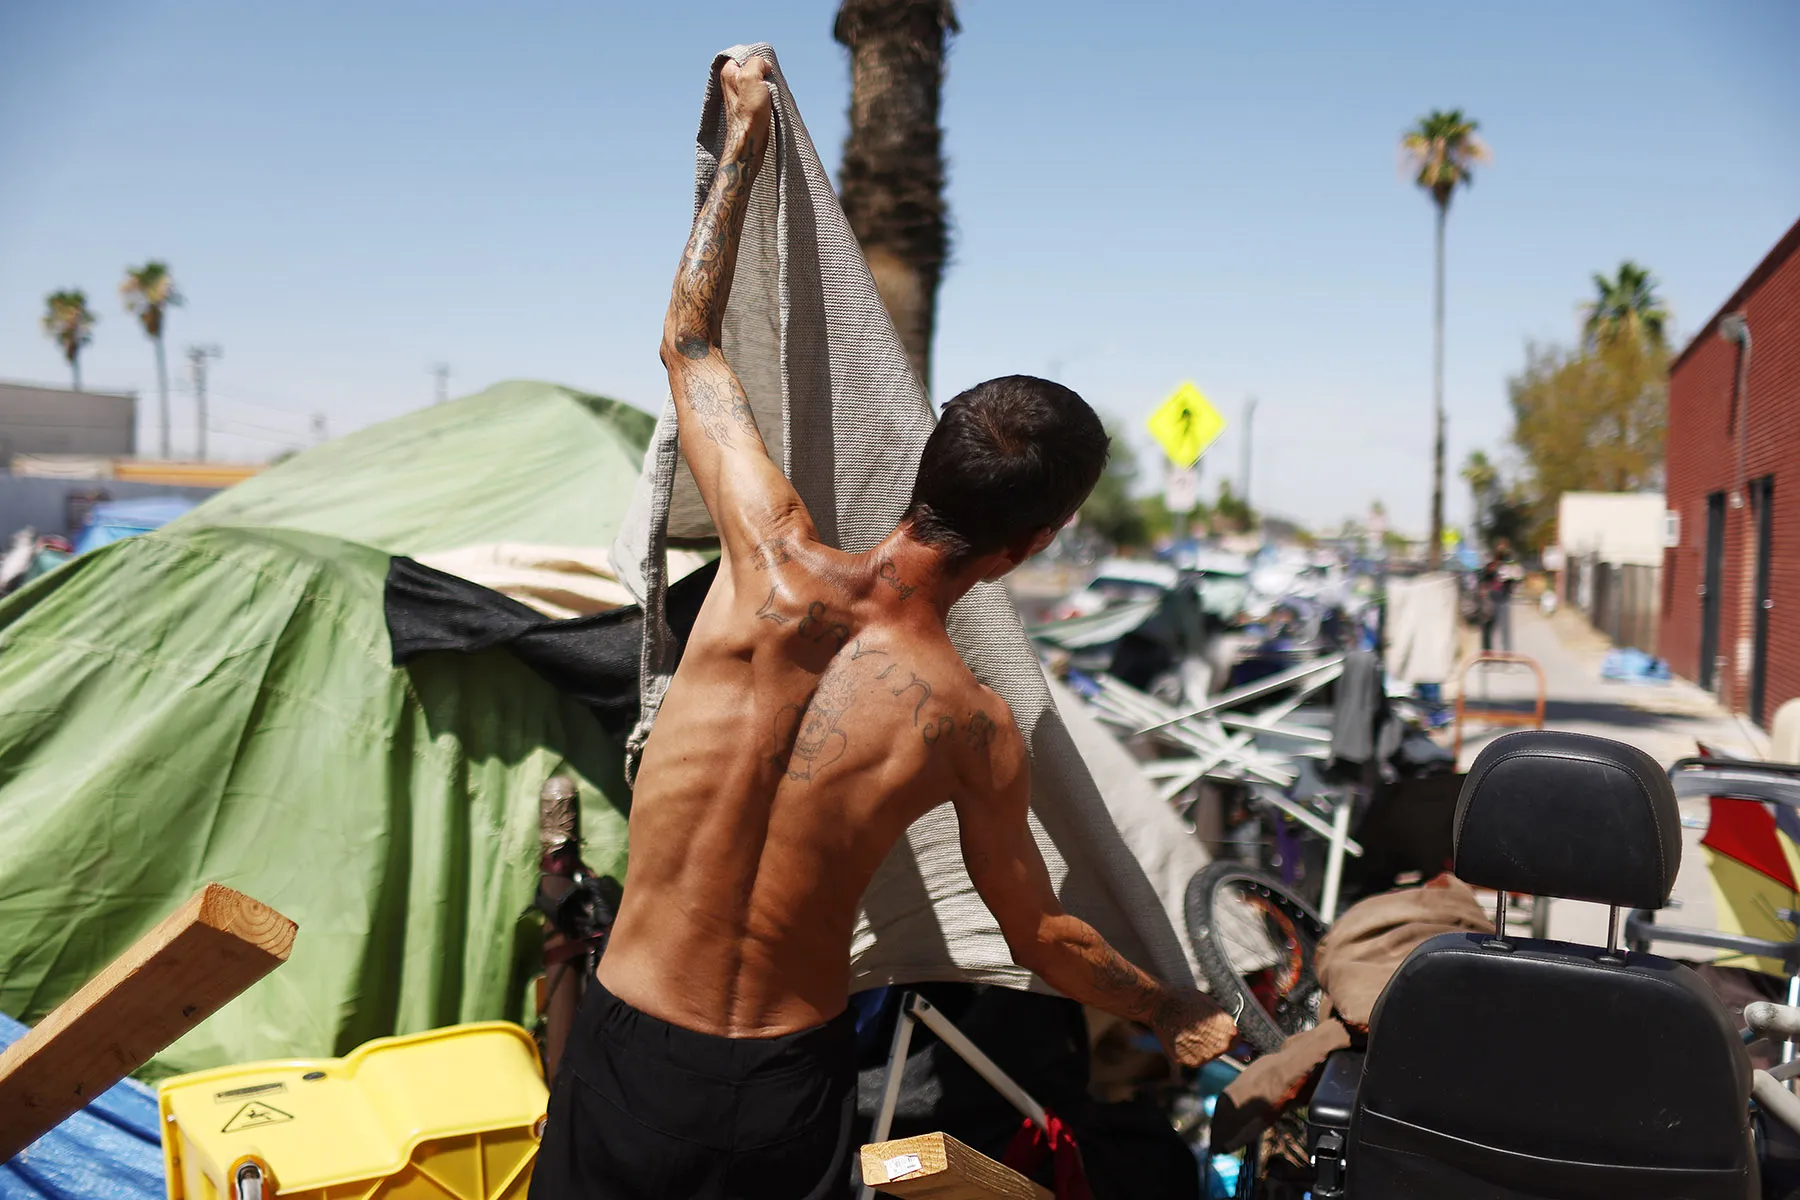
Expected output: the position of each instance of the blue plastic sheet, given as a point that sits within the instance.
(107, 1151)
(116, 519)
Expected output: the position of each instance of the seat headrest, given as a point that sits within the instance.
(1571, 816)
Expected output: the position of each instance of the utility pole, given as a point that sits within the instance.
(1244, 471)
(442, 373)
(197, 356)
(319, 435)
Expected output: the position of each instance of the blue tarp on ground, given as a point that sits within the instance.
(116, 519)
(107, 1151)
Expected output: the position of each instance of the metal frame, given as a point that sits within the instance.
(1738, 779)
(1496, 716)
(915, 1008)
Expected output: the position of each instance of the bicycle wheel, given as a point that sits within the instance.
(1255, 941)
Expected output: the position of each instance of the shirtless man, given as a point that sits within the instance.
(819, 709)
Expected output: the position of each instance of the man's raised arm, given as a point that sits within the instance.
(744, 491)
(1065, 951)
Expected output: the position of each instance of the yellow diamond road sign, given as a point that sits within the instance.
(1186, 424)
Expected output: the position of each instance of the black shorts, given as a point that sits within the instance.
(646, 1110)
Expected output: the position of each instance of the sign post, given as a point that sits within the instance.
(1184, 425)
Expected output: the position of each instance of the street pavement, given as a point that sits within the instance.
(1666, 721)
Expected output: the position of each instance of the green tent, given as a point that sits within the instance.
(214, 701)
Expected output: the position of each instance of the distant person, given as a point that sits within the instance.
(819, 709)
(1498, 578)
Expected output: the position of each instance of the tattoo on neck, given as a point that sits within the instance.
(890, 575)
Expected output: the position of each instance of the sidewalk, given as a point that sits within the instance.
(1667, 722)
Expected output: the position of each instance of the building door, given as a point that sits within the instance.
(1762, 495)
(1710, 588)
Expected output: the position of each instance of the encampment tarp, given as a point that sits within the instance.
(215, 701)
(519, 462)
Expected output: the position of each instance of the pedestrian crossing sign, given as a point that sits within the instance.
(1185, 425)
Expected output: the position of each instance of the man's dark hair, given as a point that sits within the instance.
(1008, 458)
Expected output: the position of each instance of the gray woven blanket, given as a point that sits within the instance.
(841, 412)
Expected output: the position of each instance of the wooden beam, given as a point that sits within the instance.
(171, 979)
(937, 1166)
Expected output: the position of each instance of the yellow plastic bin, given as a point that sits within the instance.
(453, 1112)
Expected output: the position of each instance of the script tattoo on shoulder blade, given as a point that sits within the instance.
(858, 651)
(981, 730)
(937, 729)
(924, 693)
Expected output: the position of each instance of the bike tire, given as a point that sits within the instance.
(1299, 930)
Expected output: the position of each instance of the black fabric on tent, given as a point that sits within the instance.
(592, 659)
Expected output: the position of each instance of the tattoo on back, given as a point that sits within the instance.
(817, 625)
(890, 575)
(807, 737)
(981, 731)
(767, 611)
(924, 694)
(857, 651)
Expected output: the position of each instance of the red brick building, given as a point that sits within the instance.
(1739, 526)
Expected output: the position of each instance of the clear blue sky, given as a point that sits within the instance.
(1142, 193)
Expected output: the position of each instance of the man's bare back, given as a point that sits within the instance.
(819, 710)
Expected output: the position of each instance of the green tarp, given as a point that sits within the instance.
(214, 701)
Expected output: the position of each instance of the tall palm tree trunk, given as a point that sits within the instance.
(162, 394)
(1434, 552)
(75, 369)
(892, 178)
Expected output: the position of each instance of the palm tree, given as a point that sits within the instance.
(69, 322)
(1482, 479)
(1440, 153)
(892, 177)
(1626, 308)
(149, 292)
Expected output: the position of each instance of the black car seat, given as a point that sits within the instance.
(1501, 1068)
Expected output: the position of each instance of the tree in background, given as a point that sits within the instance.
(1590, 420)
(69, 322)
(149, 292)
(1109, 510)
(1440, 152)
(1625, 308)
(891, 182)
(1483, 480)
(1232, 512)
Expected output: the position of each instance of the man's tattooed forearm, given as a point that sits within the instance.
(1134, 993)
(890, 575)
(705, 266)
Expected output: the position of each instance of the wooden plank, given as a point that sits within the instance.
(171, 979)
(946, 1170)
